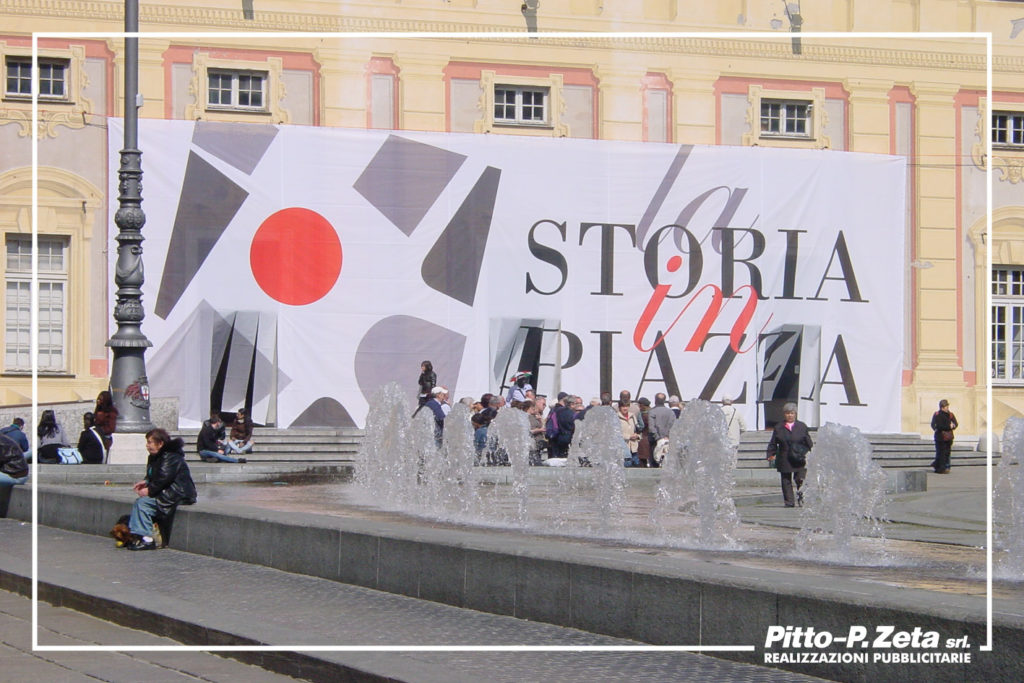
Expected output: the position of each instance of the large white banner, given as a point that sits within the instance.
(295, 270)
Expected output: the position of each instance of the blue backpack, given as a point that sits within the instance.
(551, 429)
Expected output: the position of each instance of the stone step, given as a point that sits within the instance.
(341, 446)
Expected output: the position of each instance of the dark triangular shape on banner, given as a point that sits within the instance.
(453, 264)
(240, 144)
(208, 202)
(405, 178)
(217, 385)
(322, 412)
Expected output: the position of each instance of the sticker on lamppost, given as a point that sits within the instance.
(137, 392)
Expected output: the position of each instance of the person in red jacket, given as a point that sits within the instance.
(104, 417)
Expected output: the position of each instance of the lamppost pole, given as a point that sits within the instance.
(128, 382)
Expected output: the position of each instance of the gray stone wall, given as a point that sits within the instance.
(163, 413)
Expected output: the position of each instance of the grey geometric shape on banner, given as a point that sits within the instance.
(240, 144)
(241, 358)
(324, 412)
(405, 178)
(180, 366)
(392, 350)
(453, 264)
(208, 202)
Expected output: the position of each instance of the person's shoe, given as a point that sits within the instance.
(242, 460)
(140, 544)
(209, 458)
(790, 505)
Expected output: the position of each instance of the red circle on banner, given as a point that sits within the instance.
(295, 256)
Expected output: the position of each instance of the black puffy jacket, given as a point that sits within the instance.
(168, 478)
(12, 460)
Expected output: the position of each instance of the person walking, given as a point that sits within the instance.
(788, 447)
(943, 424)
(734, 421)
(427, 381)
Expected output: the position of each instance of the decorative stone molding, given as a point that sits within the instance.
(275, 90)
(172, 15)
(1009, 163)
(70, 112)
(816, 139)
(556, 106)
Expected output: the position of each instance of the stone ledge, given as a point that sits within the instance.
(589, 586)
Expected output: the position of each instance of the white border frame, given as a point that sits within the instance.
(774, 35)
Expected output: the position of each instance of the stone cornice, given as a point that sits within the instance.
(164, 16)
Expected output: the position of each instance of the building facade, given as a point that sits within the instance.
(919, 97)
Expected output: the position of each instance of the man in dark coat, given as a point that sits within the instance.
(92, 446)
(565, 417)
(167, 485)
(943, 424)
(790, 442)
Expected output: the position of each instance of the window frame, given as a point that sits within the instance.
(235, 91)
(813, 138)
(272, 70)
(785, 117)
(519, 105)
(553, 84)
(1014, 127)
(1007, 289)
(43, 61)
(21, 278)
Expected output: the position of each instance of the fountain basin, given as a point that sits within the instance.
(659, 595)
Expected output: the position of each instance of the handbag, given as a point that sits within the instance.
(797, 455)
(946, 435)
(69, 456)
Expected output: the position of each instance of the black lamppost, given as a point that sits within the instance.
(128, 382)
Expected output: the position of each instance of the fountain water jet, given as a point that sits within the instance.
(598, 442)
(385, 464)
(460, 494)
(510, 433)
(1008, 503)
(844, 494)
(699, 473)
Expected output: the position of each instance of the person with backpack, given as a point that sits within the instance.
(560, 427)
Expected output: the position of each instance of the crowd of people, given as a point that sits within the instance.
(645, 427)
